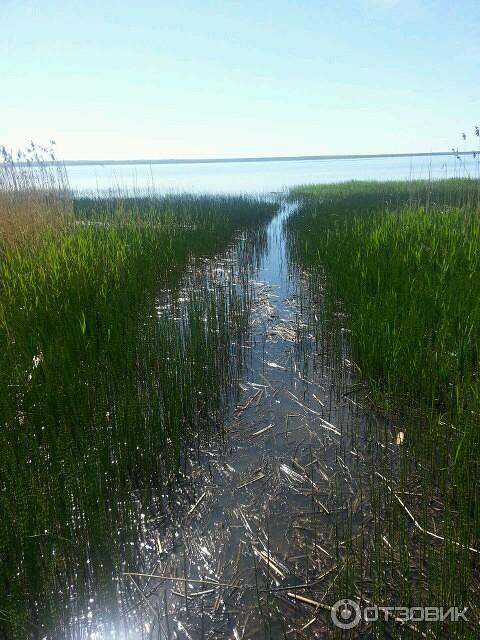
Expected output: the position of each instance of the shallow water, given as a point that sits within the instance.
(262, 176)
(237, 530)
(279, 509)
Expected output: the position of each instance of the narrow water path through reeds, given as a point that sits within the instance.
(303, 498)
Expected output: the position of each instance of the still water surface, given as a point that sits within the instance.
(263, 176)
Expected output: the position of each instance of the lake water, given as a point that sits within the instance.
(262, 176)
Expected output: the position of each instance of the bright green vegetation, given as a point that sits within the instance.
(398, 265)
(106, 373)
(371, 193)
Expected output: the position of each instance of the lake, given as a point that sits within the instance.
(262, 176)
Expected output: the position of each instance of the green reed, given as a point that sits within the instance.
(397, 266)
(107, 370)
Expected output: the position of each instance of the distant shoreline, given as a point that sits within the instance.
(80, 163)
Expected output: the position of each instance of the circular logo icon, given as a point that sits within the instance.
(346, 614)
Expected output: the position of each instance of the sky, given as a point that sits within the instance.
(155, 79)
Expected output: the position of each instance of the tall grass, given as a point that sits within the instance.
(106, 372)
(398, 266)
(378, 194)
(32, 195)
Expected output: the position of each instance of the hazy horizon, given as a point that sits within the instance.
(240, 159)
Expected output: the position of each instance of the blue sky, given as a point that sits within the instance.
(156, 79)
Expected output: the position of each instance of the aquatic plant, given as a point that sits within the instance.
(108, 367)
(396, 266)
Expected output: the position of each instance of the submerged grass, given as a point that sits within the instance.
(106, 372)
(398, 267)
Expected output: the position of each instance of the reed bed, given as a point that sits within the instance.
(109, 365)
(396, 268)
(33, 196)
